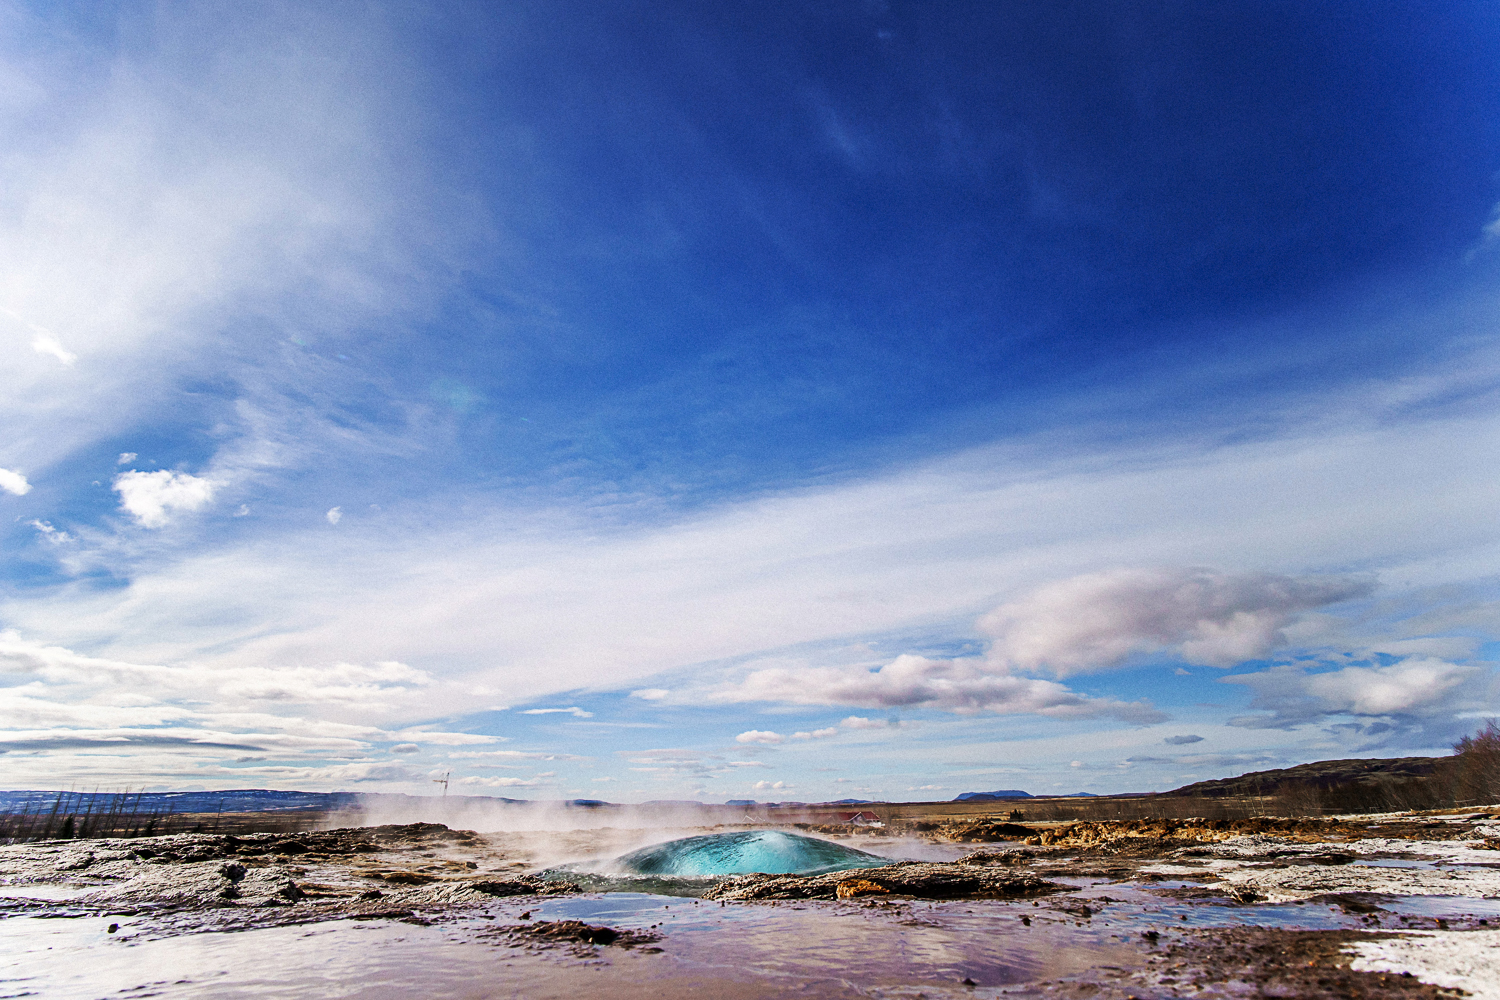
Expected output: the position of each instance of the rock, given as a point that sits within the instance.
(578, 932)
(852, 887)
(922, 880)
(509, 887)
(987, 831)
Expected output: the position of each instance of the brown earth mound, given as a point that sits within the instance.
(1156, 836)
(985, 832)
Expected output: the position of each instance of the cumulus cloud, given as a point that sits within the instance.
(126, 457)
(14, 482)
(1099, 620)
(965, 686)
(1417, 687)
(767, 786)
(150, 497)
(334, 515)
(764, 736)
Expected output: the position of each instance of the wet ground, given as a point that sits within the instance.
(413, 911)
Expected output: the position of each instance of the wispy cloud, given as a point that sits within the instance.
(52, 535)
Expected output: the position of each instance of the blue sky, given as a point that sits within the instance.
(659, 400)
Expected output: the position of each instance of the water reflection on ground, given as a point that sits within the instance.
(746, 950)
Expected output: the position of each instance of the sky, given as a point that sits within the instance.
(651, 400)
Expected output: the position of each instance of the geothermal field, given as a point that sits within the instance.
(959, 900)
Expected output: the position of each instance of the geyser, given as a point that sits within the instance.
(769, 851)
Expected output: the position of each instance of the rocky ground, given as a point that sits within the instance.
(265, 879)
(418, 872)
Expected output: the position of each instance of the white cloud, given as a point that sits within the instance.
(53, 535)
(47, 344)
(759, 736)
(126, 457)
(651, 694)
(334, 515)
(191, 170)
(572, 710)
(512, 755)
(917, 549)
(1415, 687)
(14, 482)
(817, 734)
(1100, 620)
(150, 496)
(859, 722)
(500, 782)
(771, 786)
(965, 686)
(180, 722)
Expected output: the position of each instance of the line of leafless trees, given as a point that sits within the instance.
(78, 815)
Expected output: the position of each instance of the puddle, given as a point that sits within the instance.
(814, 949)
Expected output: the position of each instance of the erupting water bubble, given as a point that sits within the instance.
(771, 851)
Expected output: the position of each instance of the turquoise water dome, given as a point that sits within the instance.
(771, 851)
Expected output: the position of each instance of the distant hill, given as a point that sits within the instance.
(1004, 793)
(850, 802)
(1321, 775)
(238, 800)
